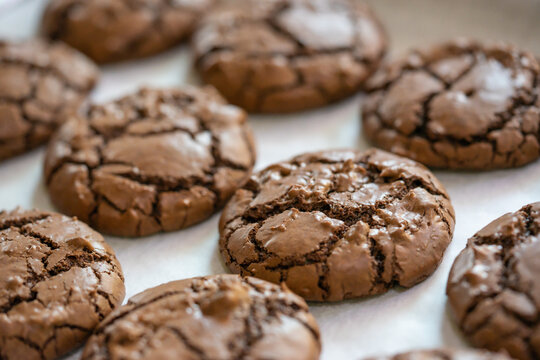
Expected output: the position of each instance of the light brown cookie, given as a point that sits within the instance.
(39, 83)
(288, 55)
(494, 287)
(156, 160)
(457, 105)
(338, 224)
(58, 280)
(215, 317)
(109, 31)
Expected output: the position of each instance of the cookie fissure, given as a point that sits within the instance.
(106, 295)
(303, 51)
(62, 266)
(504, 117)
(364, 212)
(136, 43)
(377, 254)
(272, 22)
(184, 339)
(31, 345)
(52, 339)
(136, 307)
(43, 70)
(20, 222)
(254, 331)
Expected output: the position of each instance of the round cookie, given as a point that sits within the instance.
(281, 56)
(110, 31)
(494, 289)
(215, 317)
(59, 279)
(39, 83)
(338, 224)
(458, 105)
(444, 355)
(156, 160)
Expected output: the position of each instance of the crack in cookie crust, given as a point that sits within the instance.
(158, 160)
(59, 279)
(39, 83)
(288, 55)
(460, 105)
(338, 225)
(241, 318)
(493, 287)
(110, 31)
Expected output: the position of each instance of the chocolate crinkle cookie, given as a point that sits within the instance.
(109, 31)
(288, 55)
(222, 317)
(458, 105)
(494, 285)
(39, 83)
(156, 160)
(444, 355)
(58, 280)
(338, 224)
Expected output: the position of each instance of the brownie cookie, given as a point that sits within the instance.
(494, 287)
(39, 83)
(444, 355)
(217, 317)
(156, 160)
(338, 224)
(288, 55)
(109, 31)
(59, 279)
(459, 105)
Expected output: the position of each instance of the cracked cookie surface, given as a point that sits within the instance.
(156, 160)
(217, 317)
(288, 55)
(110, 31)
(59, 279)
(458, 105)
(338, 224)
(494, 288)
(444, 355)
(39, 83)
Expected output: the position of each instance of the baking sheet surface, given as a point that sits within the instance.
(399, 320)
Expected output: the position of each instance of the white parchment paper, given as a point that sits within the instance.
(399, 320)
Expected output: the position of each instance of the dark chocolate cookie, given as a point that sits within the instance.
(459, 105)
(218, 317)
(444, 355)
(156, 160)
(288, 55)
(39, 83)
(494, 285)
(58, 280)
(338, 224)
(109, 31)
